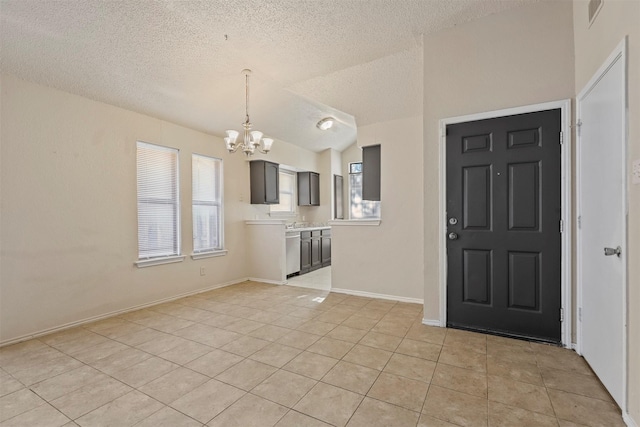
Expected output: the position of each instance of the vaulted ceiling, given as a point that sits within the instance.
(359, 61)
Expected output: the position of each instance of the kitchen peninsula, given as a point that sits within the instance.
(271, 259)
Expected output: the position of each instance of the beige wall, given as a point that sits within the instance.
(68, 230)
(386, 259)
(519, 57)
(593, 45)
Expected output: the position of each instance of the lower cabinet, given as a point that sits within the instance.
(326, 247)
(305, 252)
(315, 250)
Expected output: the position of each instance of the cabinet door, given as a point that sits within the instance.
(338, 197)
(326, 251)
(304, 196)
(305, 255)
(265, 183)
(314, 190)
(371, 173)
(316, 253)
(272, 183)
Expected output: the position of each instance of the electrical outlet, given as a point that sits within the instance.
(202, 273)
(635, 172)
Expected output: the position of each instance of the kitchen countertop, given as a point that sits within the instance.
(306, 227)
(309, 228)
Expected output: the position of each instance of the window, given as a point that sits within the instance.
(287, 203)
(358, 208)
(207, 204)
(158, 202)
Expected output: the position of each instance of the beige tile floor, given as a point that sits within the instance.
(261, 355)
(319, 279)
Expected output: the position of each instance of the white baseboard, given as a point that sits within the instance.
(380, 296)
(431, 322)
(628, 420)
(115, 313)
(269, 282)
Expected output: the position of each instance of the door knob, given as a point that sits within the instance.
(611, 251)
(453, 236)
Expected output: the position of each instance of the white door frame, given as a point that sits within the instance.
(619, 53)
(565, 184)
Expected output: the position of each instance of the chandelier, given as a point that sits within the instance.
(252, 139)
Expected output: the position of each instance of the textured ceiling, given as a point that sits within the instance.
(357, 60)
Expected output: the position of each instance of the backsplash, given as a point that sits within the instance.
(305, 214)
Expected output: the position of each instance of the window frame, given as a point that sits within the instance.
(176, 253)
(212, 251)
(294, 194)
(374, 205)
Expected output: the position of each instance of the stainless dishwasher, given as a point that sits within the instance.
(293, 252)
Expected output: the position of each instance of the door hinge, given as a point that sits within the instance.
(561, 226)
(579, 221)
(561, 137)
(579, 125)
(580, 314)
(562, 314)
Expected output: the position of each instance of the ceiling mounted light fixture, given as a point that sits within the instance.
(326, 123)
(252, 140)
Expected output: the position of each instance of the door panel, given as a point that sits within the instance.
(477, 276)
(524, 280)
(504, 197)
(477, 197)
(524, 192)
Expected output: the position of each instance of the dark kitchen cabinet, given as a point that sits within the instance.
(308, 189)
(338, 197)
(316, 250)
(265, 184)
(371, 173)
(305, 252)
(325, 239)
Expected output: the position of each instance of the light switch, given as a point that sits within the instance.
(635, 172)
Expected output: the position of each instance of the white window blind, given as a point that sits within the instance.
(158, 201)
(359, 208)
(207, 203)
(287, 185)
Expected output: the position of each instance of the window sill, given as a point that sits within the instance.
(159, 261)
(210, 254)
(356, 222)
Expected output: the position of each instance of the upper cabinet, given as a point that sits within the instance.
(308, 189)
(371, 173)
(265, 188)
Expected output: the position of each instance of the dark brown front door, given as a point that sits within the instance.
(503, 225)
